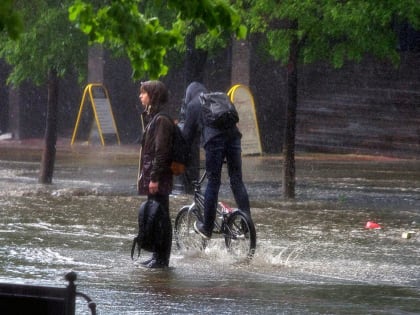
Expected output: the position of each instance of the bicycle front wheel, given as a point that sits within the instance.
(240, 235)
(185, 236)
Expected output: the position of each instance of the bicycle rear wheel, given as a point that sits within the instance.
(185, 236)
(240, 235)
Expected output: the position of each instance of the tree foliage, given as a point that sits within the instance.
(48, 41)
(10, 19)
(333, 31)
(145, 39)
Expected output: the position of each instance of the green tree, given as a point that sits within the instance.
(10, 19)
(143, 37)
(306, 31)
(48, 48)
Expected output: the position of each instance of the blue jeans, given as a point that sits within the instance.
(217, 150)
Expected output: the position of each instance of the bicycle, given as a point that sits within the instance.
(234, 225)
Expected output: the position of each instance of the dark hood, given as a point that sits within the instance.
(194, 89)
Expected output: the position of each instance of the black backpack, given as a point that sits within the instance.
(151, 232)
(180, 148)
(218, 111)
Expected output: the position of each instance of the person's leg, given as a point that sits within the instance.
(164, 252)
(214, 162)
(234, 162)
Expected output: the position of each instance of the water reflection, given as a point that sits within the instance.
(314, 255)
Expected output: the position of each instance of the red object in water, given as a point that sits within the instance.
(372, 225)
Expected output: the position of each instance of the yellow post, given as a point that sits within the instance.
(241, 96)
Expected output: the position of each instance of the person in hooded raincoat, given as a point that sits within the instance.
(219, 145)
(155, 176)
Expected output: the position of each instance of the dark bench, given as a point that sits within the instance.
(22, 299)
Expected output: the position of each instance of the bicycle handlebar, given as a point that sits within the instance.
(199, 181)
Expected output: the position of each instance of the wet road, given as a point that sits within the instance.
(314, 255)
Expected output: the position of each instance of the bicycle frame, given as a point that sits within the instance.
(233, 224)
(222, 210)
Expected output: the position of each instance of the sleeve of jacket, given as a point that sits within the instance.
(192, 121)
(163, 148)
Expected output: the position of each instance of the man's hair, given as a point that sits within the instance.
(157, 91)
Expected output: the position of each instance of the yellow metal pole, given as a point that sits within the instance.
(95, 113)
(79, 115)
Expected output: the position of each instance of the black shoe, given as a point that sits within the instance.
(146, 262)
(199, 228)
(154, 264)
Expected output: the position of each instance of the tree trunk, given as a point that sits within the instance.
(195, 60)
(50, 138)
(289, 169)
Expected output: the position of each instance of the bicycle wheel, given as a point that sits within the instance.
(240, 235)
(185, 236)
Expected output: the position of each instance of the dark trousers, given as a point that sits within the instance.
(217, 150)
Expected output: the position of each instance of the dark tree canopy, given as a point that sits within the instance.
(10, 19)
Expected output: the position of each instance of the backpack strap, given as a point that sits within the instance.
(133, 248)
(152, 122)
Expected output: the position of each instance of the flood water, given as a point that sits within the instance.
(314, 255)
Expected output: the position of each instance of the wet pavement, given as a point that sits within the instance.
(314, 254)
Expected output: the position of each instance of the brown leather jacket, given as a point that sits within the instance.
(155, 155)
